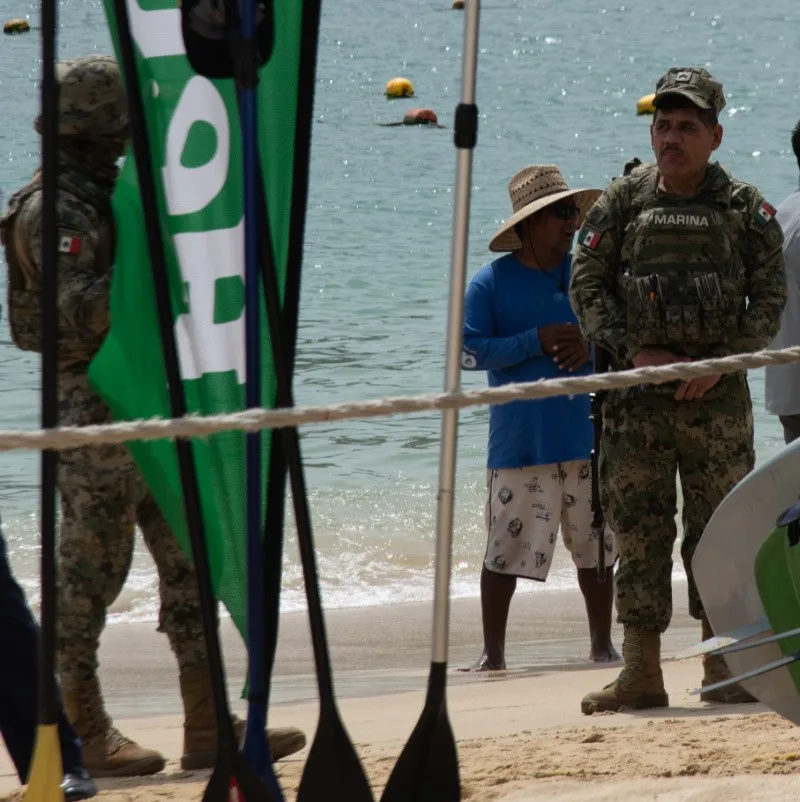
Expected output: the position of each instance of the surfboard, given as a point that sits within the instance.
(774, 572)
(724, 570)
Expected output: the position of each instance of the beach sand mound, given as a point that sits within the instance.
(662, 749)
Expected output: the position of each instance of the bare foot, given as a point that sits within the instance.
(606, 654)
(485, 664)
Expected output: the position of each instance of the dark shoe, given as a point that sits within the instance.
(77, 785)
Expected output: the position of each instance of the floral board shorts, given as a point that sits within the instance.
(524, 509)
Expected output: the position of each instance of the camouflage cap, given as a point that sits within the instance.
(693, 83)
(92, 103)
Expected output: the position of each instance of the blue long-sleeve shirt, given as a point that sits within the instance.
(506, 303)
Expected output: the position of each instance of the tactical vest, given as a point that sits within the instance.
(683, 275)
(24, 292)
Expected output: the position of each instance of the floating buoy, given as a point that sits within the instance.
(420, 117)
(399, 87)
(458, 4)
(644, 105)
(16, 26)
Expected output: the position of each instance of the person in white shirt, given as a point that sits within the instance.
(782, 392)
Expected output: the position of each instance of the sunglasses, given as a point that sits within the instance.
(564, 211)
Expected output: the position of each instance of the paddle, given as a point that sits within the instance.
(333, 769)
(46, 772)
(758, 627)
(241, 32)
(427, 769)
(232, 777)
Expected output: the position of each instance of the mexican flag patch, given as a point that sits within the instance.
(589, 239)
(69, 245)
(765, 213)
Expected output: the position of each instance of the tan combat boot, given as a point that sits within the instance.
(200, 729)
(106, 751)
(715, 669)
(640, 684)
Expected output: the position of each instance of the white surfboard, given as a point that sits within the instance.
(723, 570)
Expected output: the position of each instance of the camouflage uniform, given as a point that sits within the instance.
(102, 493)
(701, 277)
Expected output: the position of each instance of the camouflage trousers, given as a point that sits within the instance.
(648, 437)
(103, 497)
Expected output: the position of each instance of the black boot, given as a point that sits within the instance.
(77, 784)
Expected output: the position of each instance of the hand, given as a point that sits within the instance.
(696, 388)
(655, 357)
(557, 335)
(572, 354)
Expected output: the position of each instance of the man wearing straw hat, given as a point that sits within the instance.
(676, 262)
(519, 327)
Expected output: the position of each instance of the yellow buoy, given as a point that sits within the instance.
(399, 87)
(644, 105)
(458, 4)
(16, 26)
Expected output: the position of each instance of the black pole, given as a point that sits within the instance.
(188, 473)
(276, 481)
(49, 392)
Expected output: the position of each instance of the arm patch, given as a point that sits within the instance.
(69, 243)
(589, 238)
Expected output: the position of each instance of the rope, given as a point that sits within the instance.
(68, 437)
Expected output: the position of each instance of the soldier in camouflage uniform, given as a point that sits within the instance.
(677, 261)
(102, 493)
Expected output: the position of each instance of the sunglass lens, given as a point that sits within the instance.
(565, 212)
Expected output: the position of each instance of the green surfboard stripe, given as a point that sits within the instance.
(775, 579)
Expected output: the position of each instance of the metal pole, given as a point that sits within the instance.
(465, 137)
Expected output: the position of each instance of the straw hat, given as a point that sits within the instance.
(531, 189)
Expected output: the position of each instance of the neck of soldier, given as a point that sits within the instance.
(685, 185)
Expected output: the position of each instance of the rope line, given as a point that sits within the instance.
(67, 437)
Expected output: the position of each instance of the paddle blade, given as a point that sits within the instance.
(333, 769)
(234, 781)
(46, 774)
(427, 769)
(256, 745)
(756, 672)
(758, 627)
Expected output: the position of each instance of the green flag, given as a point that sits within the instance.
(195, 140)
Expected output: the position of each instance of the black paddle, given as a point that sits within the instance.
(45, 774)
(276, 481)
(333, 769)
(427, 769)
(232, 778)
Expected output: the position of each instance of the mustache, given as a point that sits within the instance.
(671, 149)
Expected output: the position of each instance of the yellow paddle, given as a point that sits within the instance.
(46, 774)
(46, 771)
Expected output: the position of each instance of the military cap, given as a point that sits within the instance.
(92, 100)
(693, 83)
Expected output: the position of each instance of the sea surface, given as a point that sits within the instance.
(557, 83)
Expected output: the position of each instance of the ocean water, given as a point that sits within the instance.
(557, 82)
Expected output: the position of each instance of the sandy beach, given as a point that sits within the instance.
(520, 734)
